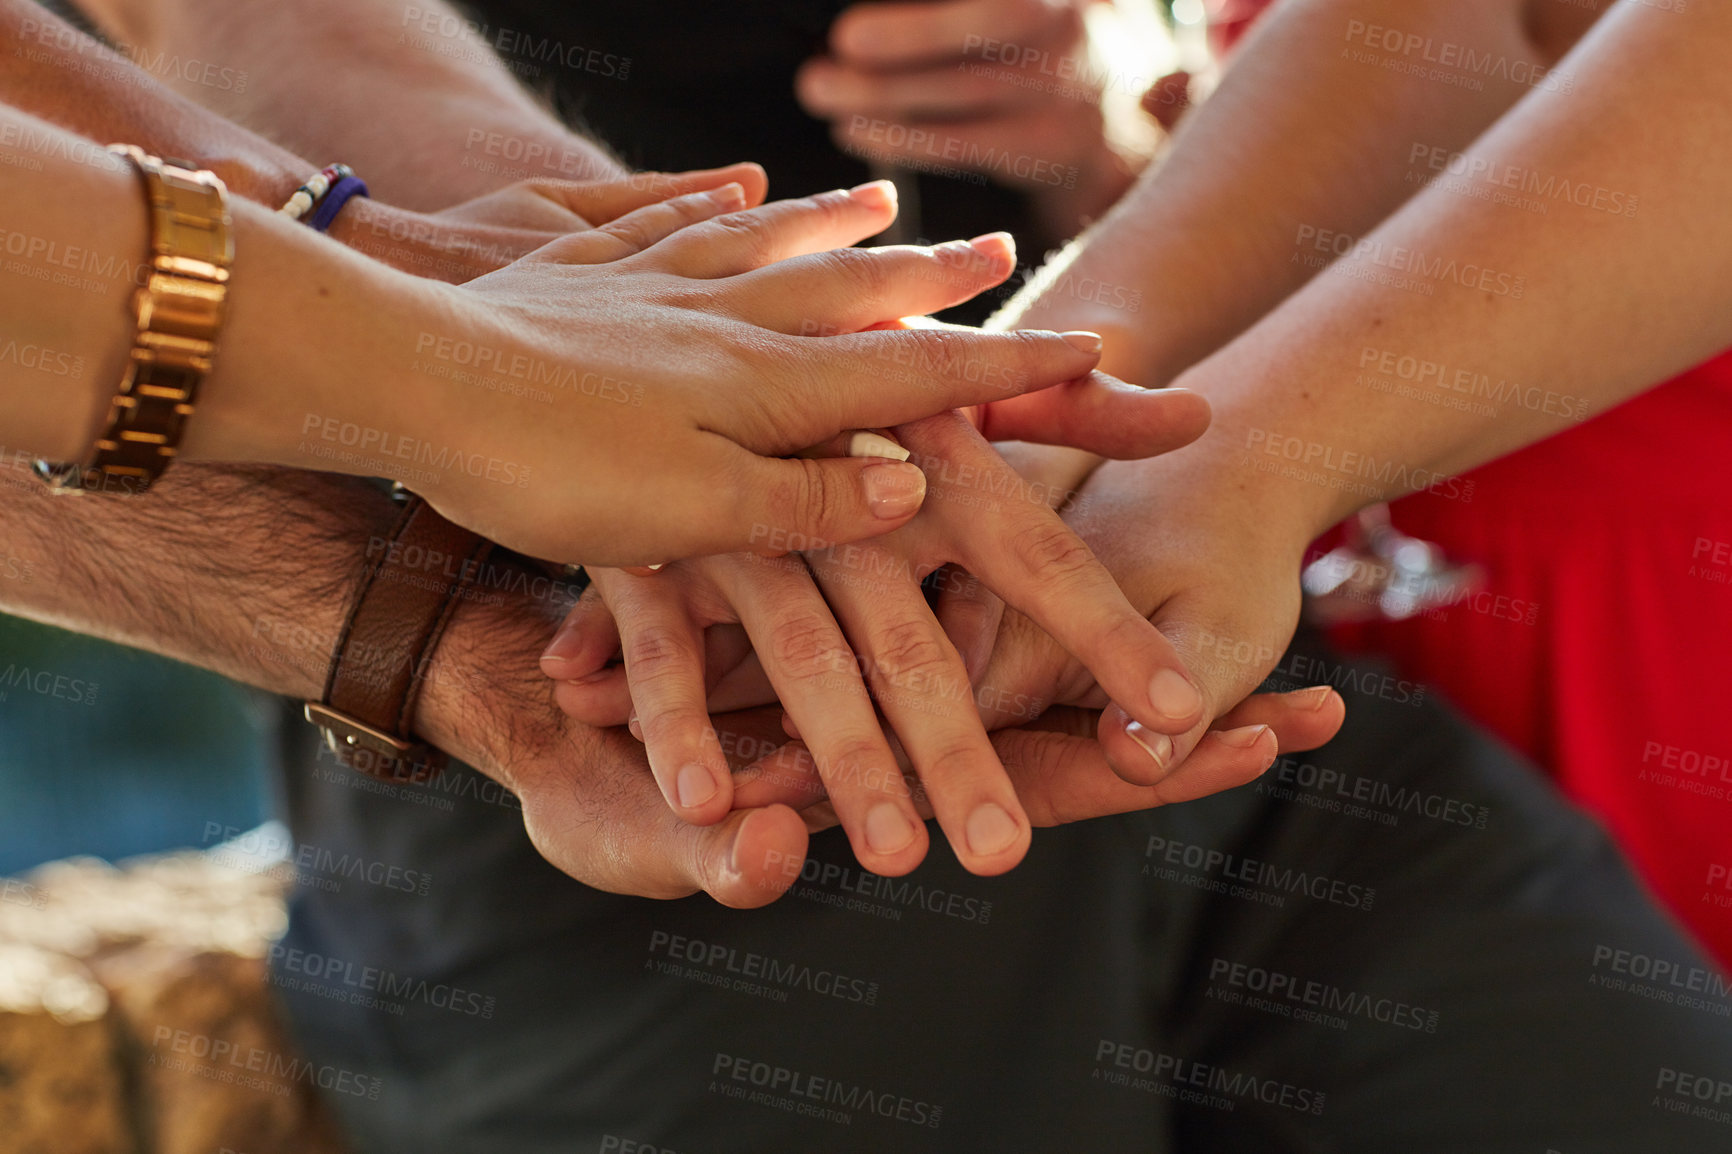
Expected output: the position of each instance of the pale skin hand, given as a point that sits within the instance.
(68, 79)
(316, 339)
(1018, 547)
(1575, 330)
(941, 83)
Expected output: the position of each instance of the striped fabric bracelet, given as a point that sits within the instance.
(341, 193)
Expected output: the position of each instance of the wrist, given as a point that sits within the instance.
(485, 700)
(1225, 484)
(414, 242)
(315, 338)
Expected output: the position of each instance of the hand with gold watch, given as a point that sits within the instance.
(624, 395)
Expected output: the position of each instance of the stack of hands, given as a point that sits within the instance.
(890, 623)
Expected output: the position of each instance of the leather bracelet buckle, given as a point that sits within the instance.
(374, 752)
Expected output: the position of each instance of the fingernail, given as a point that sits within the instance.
(656, 568)
(875, 194)
(1313, 698)
(864, 444)
(566, 644)
(1083, 342)
(1158, 746)
(893, 490)
(730, 197)
(994, 245)
(633, 727)
(1173, 695)
(1242, 738)
(888, 829)
(990, 829)
(695, 785)
(820, 85)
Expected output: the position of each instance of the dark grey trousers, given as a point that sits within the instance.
(1402, 944)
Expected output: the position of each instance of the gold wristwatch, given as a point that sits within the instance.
(179, 309)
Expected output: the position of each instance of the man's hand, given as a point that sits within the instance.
(590, 803)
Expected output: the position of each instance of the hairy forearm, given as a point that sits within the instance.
(249, 572)
(405, 92)
(1543, 317)
(1302, 140)
(243, 571)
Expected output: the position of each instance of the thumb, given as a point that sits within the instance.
(1101, 414)
(796, 505)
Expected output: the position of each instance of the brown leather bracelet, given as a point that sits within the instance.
(414, 580)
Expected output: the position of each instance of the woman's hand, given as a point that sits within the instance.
(669, 357)
(1210, 549)
(483, 235)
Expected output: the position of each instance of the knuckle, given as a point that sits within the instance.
(953, 764)
(807, 647)
(908, 650)
(941, 351)
(630, 230)
(1051, 554)
(809, 503)
(863, 272)
(748, 233)
(655, 654)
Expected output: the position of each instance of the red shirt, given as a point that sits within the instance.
(1601, 644)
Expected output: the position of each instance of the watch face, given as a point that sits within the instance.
(61, 478)
(75, 479)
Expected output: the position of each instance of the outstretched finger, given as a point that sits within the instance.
(742, 241)
(664, 651)
(849, 289)
(600, 201)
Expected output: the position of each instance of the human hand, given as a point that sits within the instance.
(981, 516)
(590, 805)
(1211, 552)
(483, 235)
(679, 427)
(1016, 89)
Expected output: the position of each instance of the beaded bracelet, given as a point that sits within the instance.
(314, 190)
(330, 189)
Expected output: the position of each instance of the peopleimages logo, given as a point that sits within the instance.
(1171, 1076)
(1403, 260)
(802, 1093)
(225, 1061)
(1306, 1000)
(371, 987)
(727, 966)
(897, 893)
(1259, 880)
